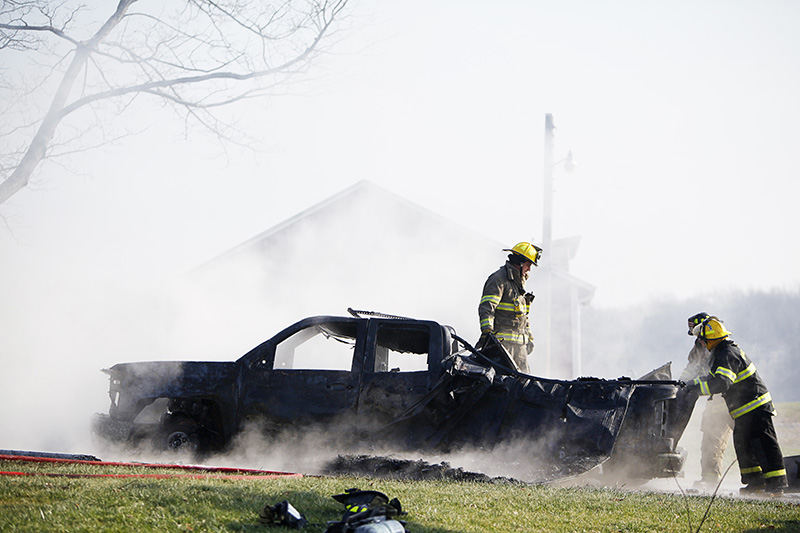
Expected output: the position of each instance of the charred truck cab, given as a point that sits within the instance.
(399, 382)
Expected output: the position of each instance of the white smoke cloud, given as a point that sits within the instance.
(65, 319)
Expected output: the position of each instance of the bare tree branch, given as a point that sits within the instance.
(13, 29)
(16, 32)
(200, 56)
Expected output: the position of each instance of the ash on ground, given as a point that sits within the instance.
(405, 469)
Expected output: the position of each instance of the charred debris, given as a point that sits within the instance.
(402, 384)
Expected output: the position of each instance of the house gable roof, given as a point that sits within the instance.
(362, 204)
(378, 226)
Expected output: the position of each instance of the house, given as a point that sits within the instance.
(368, 248)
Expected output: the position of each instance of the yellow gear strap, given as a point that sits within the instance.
(750, 406)
(746, 373)
(751, 470)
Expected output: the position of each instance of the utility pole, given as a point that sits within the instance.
(547, 235)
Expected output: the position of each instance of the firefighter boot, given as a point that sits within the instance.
(776, 485)
(755, 486)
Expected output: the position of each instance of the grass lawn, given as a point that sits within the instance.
(42, 503)
(55, 502)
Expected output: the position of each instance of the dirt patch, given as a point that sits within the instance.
(405, 469)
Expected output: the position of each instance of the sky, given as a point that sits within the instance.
(680, 115)
(683, 118)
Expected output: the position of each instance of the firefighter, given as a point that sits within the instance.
(716, 424)
(749, 404)
(505, 306)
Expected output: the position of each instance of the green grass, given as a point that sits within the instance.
(135, 504)
(39, 503)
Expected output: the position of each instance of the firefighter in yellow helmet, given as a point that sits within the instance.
(716, 424)
(505, 306)
(749, 404)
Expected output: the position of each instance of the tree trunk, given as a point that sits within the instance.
(37, 150)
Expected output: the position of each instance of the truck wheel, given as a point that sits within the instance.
(179, 436)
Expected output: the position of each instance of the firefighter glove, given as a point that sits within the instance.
(484, 338)
(529, 296)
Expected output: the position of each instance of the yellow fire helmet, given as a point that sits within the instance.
(711, 329)
(529, 251)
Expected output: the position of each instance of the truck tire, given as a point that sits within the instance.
(179, 435)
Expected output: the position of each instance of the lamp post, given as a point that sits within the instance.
(547, 212)
(547, 229)
(547, 233)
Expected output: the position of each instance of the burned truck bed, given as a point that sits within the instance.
(403, 384)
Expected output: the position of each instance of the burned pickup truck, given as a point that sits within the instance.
(403, 384)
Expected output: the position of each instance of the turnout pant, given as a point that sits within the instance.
(757, 450)
(519, 353)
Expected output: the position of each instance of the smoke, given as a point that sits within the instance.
(68, 314)
(635, 339)
(65, 320)
(367, 250)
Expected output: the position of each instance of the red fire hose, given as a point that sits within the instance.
(207, 472)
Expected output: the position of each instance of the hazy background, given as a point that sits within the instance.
(683, 117)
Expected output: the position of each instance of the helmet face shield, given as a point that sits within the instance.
(694, 320)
